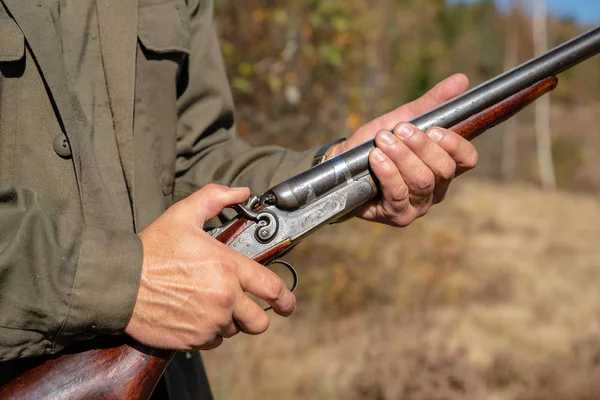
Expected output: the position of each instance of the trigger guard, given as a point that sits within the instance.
(292, 271)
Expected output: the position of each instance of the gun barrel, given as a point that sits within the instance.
(324, 177)
(499, 88)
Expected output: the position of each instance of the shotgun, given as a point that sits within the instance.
(267, 226)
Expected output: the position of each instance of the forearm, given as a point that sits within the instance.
(228, 160)
(208, 148)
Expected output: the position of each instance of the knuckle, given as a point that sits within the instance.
(289, 308)
(395, 150)
(403, 220)
(401, 152)
(219, 320)
(386, 169)
(397, 214)
(400, 194)
(420, 140)
(224, 298)
(422, 201)
(276, 289)
(447, 170)
(399, 209)
(425, 181)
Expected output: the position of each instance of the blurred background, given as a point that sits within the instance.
(494, 295)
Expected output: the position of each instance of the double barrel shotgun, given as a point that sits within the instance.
(269, 225)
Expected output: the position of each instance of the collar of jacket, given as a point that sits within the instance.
(118, 38)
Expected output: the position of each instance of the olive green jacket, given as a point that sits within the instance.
(70, 261)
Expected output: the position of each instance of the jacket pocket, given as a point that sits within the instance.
(164, 27)
(12, 40)
(164, 47)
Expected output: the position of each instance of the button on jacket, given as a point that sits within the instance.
(110, 111)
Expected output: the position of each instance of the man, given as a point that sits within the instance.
(113, 111)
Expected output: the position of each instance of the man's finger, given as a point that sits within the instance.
(209, 201)
(396, 205)
(230, 330)
(440, 93)
(431, 154)
(416, 174)
(213, 344)
(250, 317)
(444, 91)
(266, 285)
(461, 150)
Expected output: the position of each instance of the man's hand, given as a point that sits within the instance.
(414, 168)
(192, 287)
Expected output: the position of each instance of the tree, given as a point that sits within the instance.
(542, 106)
(511, 58)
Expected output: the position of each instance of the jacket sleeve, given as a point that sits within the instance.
(60, 281)
(208, 148)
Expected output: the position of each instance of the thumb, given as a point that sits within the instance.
(440, 93)
(443, 91)
(447, 89)
(209, 201)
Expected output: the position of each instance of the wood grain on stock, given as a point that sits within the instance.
(112, 370)
(240, 226)
(124, 371)
(490, 117)
(234, 231)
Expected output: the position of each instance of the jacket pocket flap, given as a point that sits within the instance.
(12, 40)
(161, 29)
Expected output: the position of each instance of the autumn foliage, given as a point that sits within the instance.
(493, 295)
(305, 72)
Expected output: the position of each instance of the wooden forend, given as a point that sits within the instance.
(490, 117)
(126, 370)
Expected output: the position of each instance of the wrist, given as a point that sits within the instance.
(335, 150)
(328, 151)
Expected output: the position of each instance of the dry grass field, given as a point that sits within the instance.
(494, 295)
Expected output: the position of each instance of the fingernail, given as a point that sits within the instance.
(435, 134)
(387, 137)
(378, 155)
(405, 131)
(239, 189)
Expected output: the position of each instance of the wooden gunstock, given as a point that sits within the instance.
(113, 368)
(110, 369)
(125, 370)
(490, 117)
